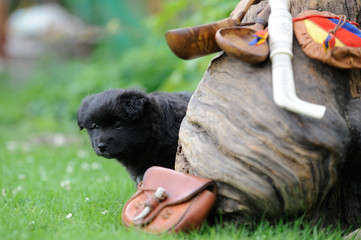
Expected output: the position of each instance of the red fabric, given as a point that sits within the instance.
(348, 38)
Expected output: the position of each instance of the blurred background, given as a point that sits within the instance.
(52, 55)
(56, 52)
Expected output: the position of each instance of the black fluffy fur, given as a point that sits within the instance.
(140, 130)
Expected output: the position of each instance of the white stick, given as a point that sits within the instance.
(280, 39)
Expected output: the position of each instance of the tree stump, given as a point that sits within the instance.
(267, 160)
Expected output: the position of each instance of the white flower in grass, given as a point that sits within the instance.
(3, 192)
(69, 216)
(69, 169)
(85, 165)
(16, 190)
(87, 199)
(65, 184)
(32, 223)
(105, 212)
(82, 154)
(21, 176)
(106, 178)
(11, 146)
(96, 166)
(59, 139)
(43, 174)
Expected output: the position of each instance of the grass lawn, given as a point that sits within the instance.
(52, 184)
(54, 187)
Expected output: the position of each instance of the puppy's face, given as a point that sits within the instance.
(115, 122)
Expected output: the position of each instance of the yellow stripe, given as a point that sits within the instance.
(318, 34)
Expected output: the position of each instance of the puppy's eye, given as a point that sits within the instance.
(118, 125)
(94, 126)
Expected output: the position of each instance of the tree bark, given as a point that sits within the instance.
(270, 161)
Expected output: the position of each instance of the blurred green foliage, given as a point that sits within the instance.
(132, 53)
(115, 15)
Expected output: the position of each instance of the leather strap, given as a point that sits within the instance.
(262, 21)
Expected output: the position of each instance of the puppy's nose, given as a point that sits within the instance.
(102, 146)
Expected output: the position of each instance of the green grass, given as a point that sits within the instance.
(47, 167)
(47, 176)
(48, 171)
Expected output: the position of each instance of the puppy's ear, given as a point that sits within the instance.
(80, 123)
(82, 111)
(132, 103)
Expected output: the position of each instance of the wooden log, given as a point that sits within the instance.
(270, 161)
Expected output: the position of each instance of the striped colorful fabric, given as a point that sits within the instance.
(329, 38)
(318, 28)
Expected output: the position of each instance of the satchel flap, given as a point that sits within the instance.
(179, 187)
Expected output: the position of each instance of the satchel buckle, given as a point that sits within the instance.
(159, 195)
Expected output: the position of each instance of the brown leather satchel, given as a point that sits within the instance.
(168, 201)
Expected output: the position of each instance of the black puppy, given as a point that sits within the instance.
(140, 130)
